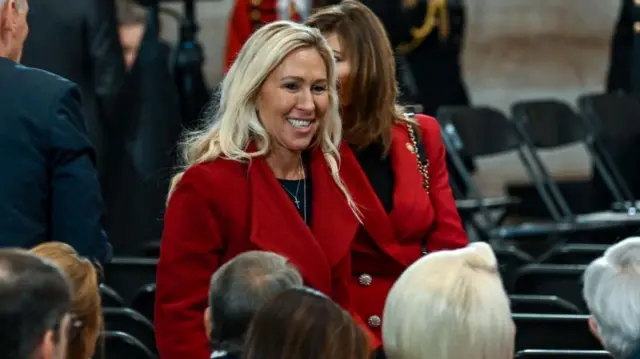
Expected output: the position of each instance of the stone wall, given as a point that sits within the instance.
(514, 49)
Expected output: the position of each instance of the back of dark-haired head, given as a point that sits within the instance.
(35, 296)
(239, 288)
(299, 323)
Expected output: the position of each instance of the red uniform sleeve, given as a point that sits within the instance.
(189, 254)
(239, 29)
(448, 232)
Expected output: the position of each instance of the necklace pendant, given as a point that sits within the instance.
(295, 200)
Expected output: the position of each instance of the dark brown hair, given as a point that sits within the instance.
(373, 85)
(300, 323)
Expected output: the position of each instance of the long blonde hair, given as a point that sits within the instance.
(234, 123)
(86, 303)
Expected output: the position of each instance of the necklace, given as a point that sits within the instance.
(296, 201)
(294, 196)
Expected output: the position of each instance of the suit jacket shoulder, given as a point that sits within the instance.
(40, 89)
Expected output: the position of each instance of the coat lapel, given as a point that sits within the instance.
(376, 221)
(334, 225)
(276, 226)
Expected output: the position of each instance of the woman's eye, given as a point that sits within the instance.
(291, 86)
(319, 89)
(337, 58)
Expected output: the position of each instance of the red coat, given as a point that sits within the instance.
(223, 208)
(389, 243)
(247, 16)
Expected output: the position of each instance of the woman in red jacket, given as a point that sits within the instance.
(263, 175)
(394, 165)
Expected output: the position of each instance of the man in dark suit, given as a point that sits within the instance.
(48, 188)
(79, 41)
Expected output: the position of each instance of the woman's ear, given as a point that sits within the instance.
(593, 326)
(207, 322)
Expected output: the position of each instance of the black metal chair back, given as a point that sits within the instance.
(562, 354)
(541, 304)
(128, 274)
(119, 345)
(563, 281)
(129, 321)
(574, 253)
(109, 297)
(613, 119)
(554, 331)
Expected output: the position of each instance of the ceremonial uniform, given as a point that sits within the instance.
(248, 15)
(428, 35)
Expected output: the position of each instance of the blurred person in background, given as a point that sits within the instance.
(85, 302)
(450, 305)
(79, 41)
(428, 37)
(49, 189)
(132, 22)
(611, 290)
(623, 76)
(624, 62)
(35, 307)
(144, 147)
(303, 323)
(249, 15)
(238, 289)
(394, 164)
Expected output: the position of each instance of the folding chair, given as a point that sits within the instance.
(613, 119)
(486, 131)
(550, 124)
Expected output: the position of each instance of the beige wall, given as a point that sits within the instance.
(515, 49)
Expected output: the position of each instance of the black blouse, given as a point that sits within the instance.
(379, 172)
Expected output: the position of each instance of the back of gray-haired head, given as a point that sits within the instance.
(35, 296)
(240, 288)
(612, 293)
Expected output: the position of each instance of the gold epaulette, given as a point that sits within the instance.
(436, 16)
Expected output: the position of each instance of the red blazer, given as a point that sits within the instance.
(247, 16)
(388, 243)
(223, 208)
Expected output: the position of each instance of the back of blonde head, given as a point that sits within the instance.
(449, 305)
(234, 121)
(86, 304)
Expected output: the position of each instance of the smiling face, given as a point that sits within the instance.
(294, 99)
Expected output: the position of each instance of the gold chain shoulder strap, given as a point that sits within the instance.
(423, 167)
